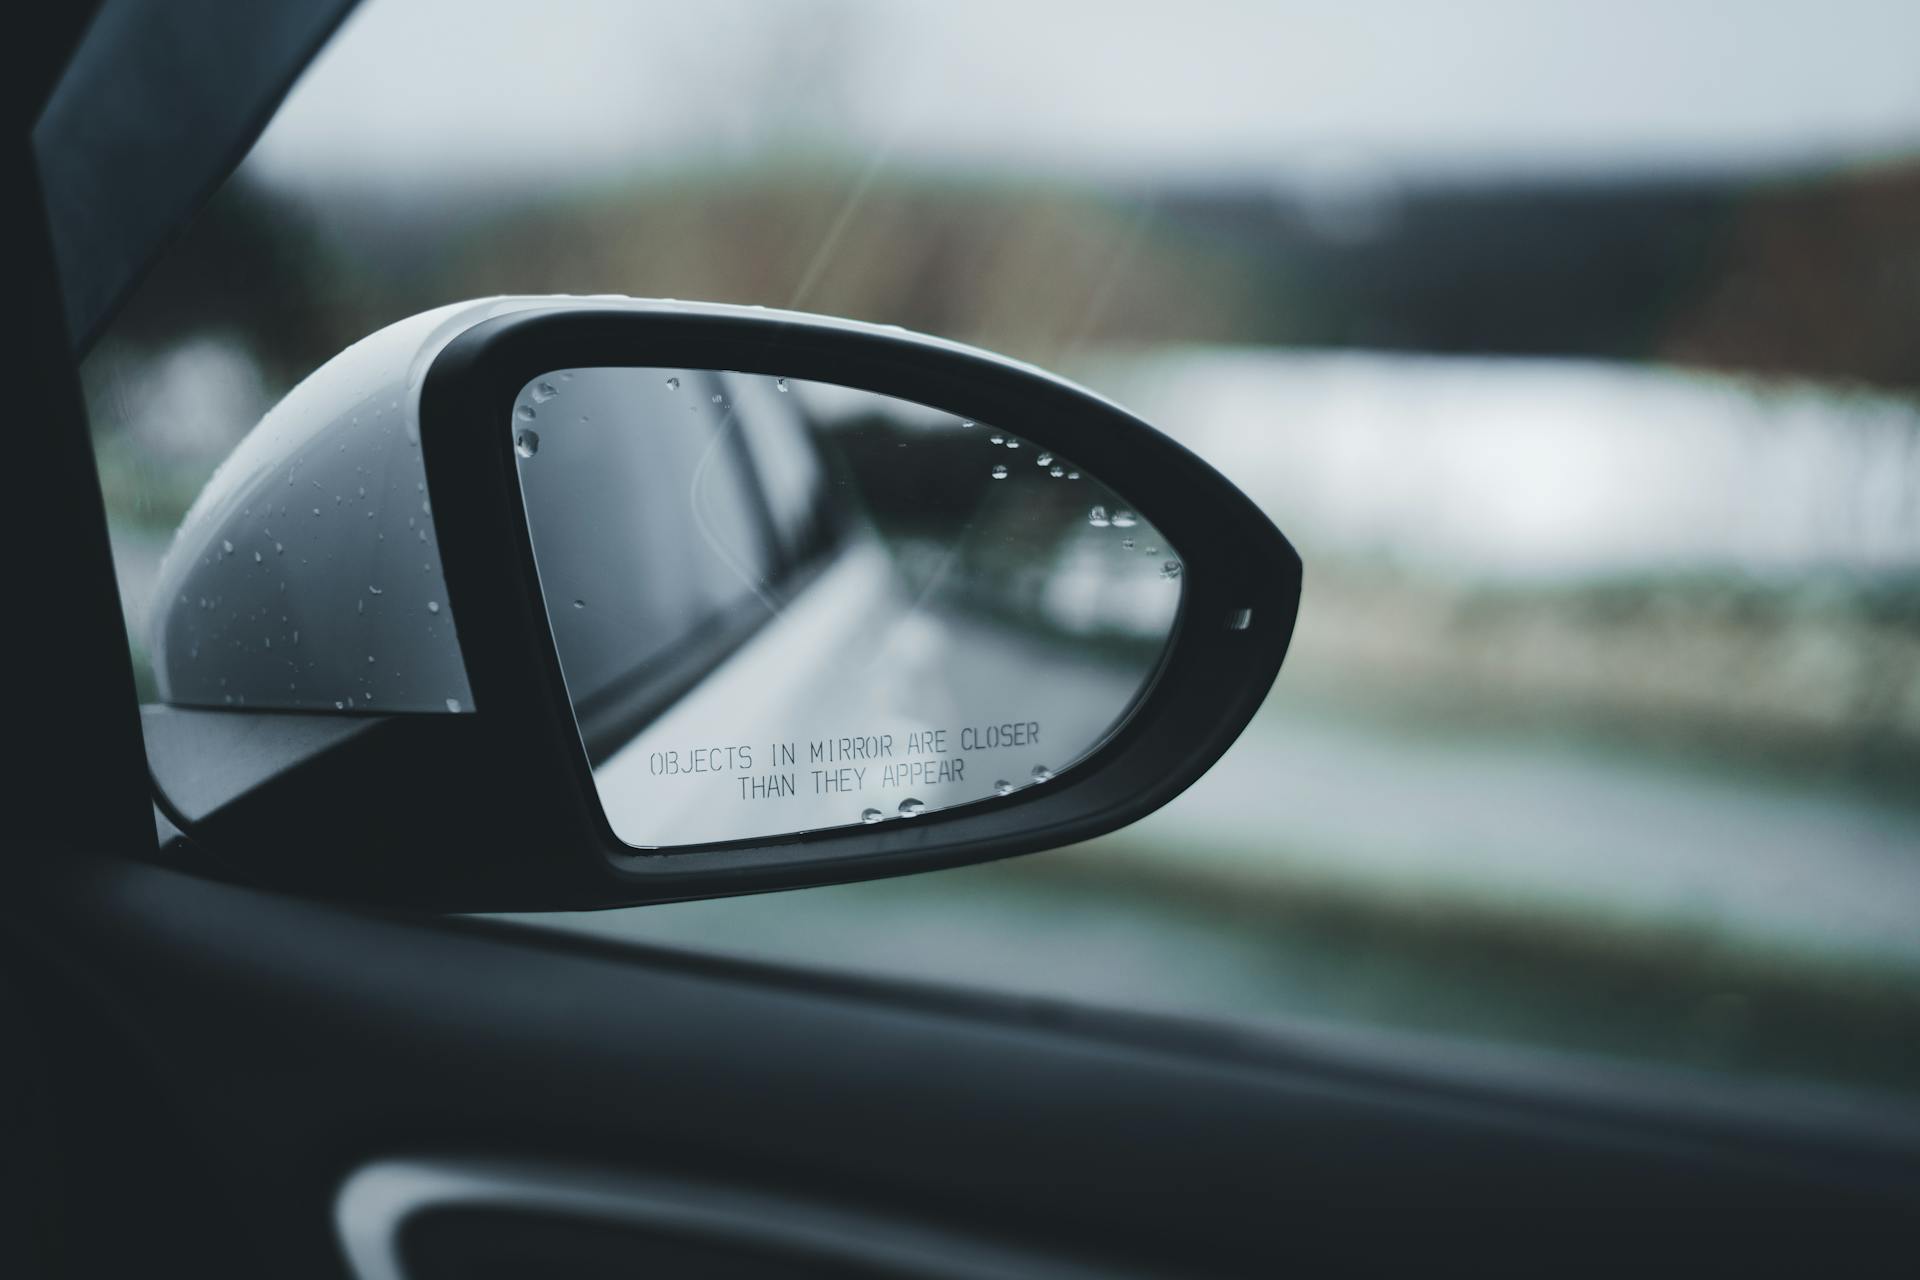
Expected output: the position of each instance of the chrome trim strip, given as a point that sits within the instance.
(376, 1201)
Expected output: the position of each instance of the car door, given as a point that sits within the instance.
(211, 1078)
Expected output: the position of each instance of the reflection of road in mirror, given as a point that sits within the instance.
(854, 706)
(896, 610)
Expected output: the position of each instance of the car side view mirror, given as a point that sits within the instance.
(580, 602)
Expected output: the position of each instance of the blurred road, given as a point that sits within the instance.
(855, 659)
(1530, 822)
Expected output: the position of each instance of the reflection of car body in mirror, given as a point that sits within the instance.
(658, 598)
(729, 599)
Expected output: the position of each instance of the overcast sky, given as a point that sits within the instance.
(451, 89)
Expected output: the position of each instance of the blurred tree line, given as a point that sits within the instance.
(1816, 277)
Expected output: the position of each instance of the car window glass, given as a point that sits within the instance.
(1572, 344)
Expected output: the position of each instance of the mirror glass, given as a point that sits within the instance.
(782, 606)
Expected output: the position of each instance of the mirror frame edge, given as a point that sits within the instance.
(1210, 681)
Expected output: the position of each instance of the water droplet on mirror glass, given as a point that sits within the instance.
(579, 604)
(716, 397)
(996, 439)
(780, 383)
(453, 704)
(226, 546)
(1041, 773)
(527, 442)
(1003, 788)
(1057, 472)
(911, 808)
(1098, 518)
(257, 557)
(1152, 551)
(871, 815)
(526, 413)
(543, 392)
(1073, 475)
(673, 384)
(1171, 569)
(1044, 460)
(1126, 544)
(967, 424)
(999, 473)
(1125, 520)
(1013, 444)
(372, 590)
(279, 549)
(433, 606)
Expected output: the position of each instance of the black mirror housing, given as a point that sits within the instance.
(482, 797)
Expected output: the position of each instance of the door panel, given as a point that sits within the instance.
(301, 1042)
